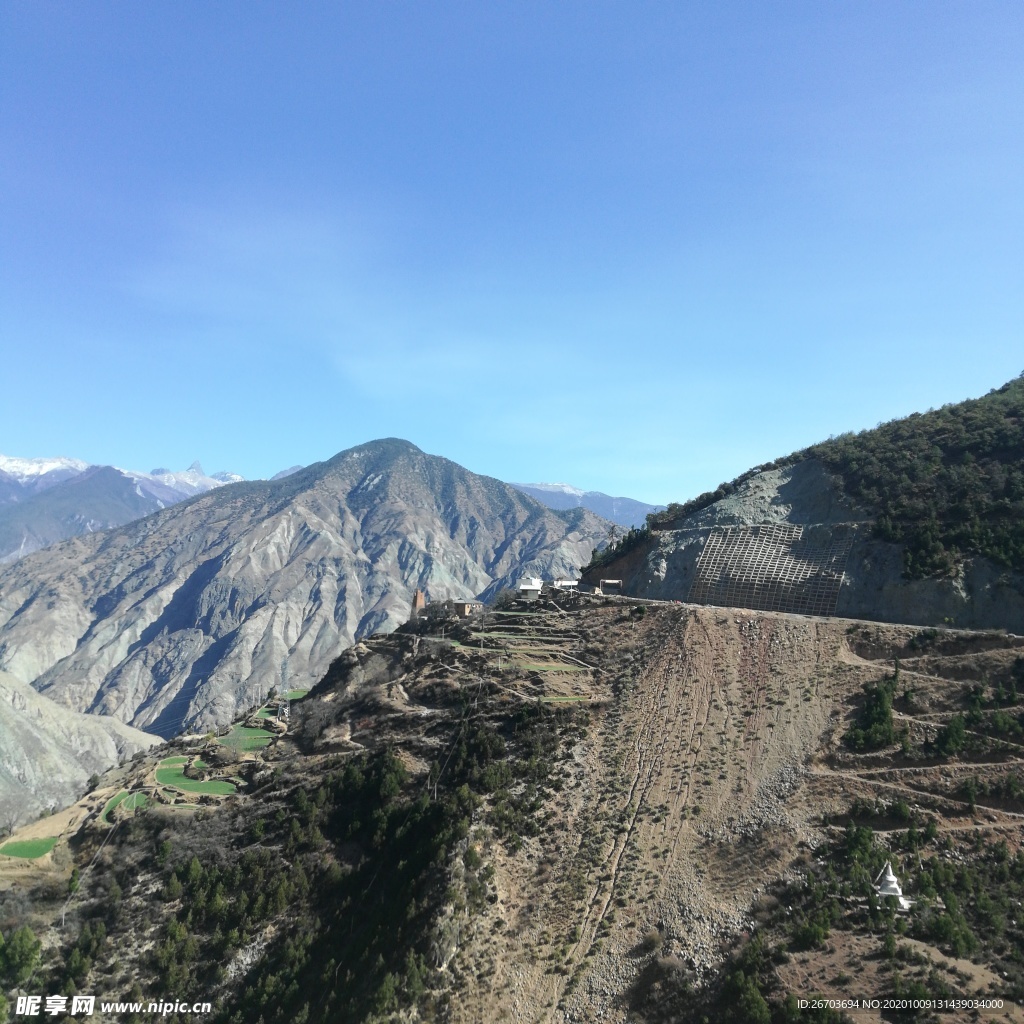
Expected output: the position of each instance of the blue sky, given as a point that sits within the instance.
(637, 247)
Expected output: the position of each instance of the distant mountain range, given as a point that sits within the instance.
(43, 501)
(622, 511)
(181, 618)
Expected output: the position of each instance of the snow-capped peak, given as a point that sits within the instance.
(189, 482)
(39, 474)
(556, 489)
(24, 470)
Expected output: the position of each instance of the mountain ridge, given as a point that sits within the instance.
(934, 507)
(182, 617)
(619, 510)
(43, 501)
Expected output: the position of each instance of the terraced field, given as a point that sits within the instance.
(537, 655)
(242, 737)
(171, 774)
(30, 849)
(130, 801)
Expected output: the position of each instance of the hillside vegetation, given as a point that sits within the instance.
(555, 817)
(946, 484)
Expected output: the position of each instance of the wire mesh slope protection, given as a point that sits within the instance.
(773, 567)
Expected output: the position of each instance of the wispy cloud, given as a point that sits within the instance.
(327, 283)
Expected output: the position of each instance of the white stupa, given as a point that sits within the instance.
(887, 884)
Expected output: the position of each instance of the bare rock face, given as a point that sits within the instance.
(180, 619)
(48, 752)
(981, 596)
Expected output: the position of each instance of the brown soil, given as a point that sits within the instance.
(703, 783)
(712, 769)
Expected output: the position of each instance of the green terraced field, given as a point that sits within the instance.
(29, 848)
(242, 737)
(132, 801)
(112, 803)
(174, 776)
(295, 694)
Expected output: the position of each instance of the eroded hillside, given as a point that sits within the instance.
(618, 811)
(916, 521)
(180, 620)
(48, 751)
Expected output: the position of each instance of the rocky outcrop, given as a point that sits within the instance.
(181, 619)
(980, 596)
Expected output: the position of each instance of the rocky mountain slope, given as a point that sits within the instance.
(673, 814)
(182, 618)
(930, 508)
(622, 511)
(48, 752)
(43, 501)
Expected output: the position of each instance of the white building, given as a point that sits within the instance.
(565, 584)
(887, 884)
